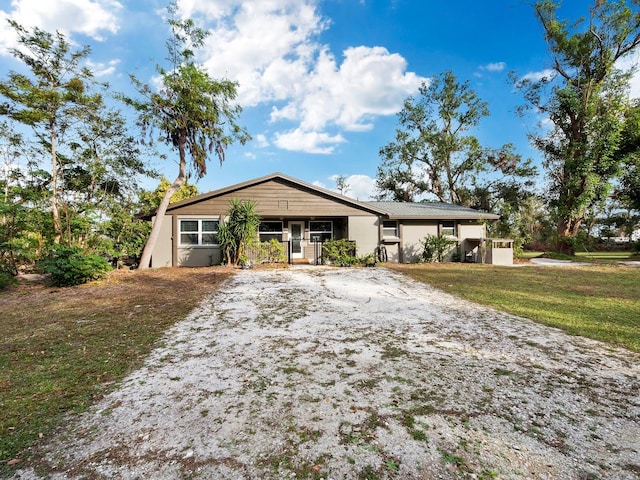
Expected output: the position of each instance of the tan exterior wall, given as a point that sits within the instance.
(162, 255)
(274, 198)
(364, 231)
(500, 255)
(412, 233)
(199, 256)
(471, 231)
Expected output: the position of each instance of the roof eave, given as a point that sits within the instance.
(479, 217)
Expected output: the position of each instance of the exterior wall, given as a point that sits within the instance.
(364, 231)
(199, 256)
(471, 247)
(500, 252)
(474, 230)
(412, 232)
(162, 255)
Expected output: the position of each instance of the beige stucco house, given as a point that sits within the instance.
(302, 216)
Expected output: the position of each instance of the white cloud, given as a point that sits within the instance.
(261, 141)
(92, 18)
(537, 76)
(361, 187)
(309, 142)
(102, 69)
(628, 63)
(271, 48)
(494, 67)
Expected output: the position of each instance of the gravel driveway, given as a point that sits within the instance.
(360, 373)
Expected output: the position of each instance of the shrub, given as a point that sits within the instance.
(71, 266)
(272, 252)
(340, 252)
(435, 247)
(6, 280)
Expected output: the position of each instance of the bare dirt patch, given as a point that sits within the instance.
(359, 373)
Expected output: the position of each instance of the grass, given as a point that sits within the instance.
(64, 348)
(595, 256)
(600, 302)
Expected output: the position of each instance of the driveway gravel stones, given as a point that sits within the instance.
(359, 373)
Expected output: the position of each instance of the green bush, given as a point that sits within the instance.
(435, 247)
(71, 266)
(341, 252)
(272, 252)
(6, 280)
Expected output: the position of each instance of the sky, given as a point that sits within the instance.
(320, 81)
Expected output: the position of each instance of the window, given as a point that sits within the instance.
(195, 232)
(448, 229)
(390, 228)
(269, 231)
(320, 231)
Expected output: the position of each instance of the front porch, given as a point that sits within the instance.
(494, 251)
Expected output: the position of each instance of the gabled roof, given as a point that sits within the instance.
(431, 210)
(393, 210)
(367, 206)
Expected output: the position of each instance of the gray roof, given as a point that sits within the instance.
(431, 210)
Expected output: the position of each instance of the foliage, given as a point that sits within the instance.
(70, 266)
(340, 252)
(272, 252)
(238, 230)
(342, 185)
(432, 153)
(150, 200)
(6, 280)
(369, 259)
(192, 112)
(121, 236)
(435, 247)
(55, 98)
(585, 99)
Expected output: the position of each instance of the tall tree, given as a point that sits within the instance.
(56, 96)
(433, 152)
(193, 113)
(585, 100)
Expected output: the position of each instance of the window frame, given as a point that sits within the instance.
(443, 228)
(385, 229)
(199, 232)
(313, 232)
(274, 233)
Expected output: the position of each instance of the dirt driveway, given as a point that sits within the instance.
(360, 374)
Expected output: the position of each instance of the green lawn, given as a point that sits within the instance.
(598, 257)
(600, 302)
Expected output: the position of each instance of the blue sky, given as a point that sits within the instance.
(321, 81)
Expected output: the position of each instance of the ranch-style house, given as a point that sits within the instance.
(303, 216)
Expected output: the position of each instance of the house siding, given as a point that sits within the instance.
(274, 198)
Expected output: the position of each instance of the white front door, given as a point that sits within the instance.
(296, 237)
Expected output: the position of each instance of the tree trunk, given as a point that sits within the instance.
(145, 259)
(57, 223)
(567, 232)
